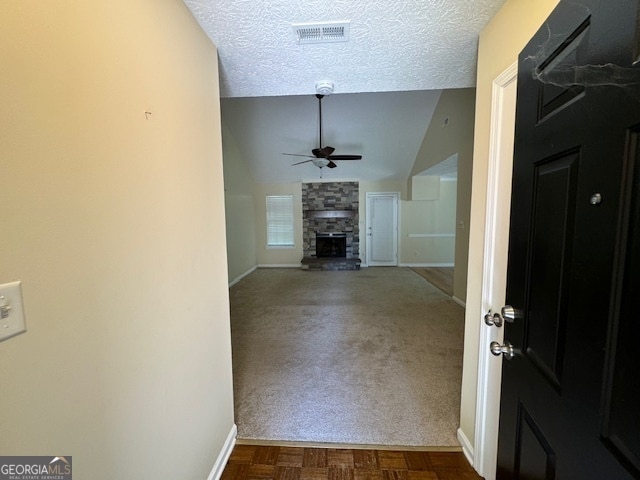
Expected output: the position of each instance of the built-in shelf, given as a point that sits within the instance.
(330, 214)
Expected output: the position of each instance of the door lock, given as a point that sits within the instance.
(494, 319)
(506, 350)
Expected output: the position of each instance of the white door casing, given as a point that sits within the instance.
(494, 269)
(382, 228)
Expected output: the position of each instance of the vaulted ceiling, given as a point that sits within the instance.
(387, 78)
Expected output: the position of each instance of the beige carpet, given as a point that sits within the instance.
(361, 357)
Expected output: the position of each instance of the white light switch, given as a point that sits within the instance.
(11, 311)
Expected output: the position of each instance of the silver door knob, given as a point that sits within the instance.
(510, 314)
(506, 350)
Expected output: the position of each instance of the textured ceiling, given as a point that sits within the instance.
(395, 45)
(388, 78)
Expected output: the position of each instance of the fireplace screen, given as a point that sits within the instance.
(331, 245)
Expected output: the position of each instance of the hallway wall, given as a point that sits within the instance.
(113, 218)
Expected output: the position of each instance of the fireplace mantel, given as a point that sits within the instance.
(330, 214)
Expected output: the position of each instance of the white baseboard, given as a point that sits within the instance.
(248, 272)
(467, 449)
(283, 265)
(459, 302)
(225, 453)
(426, 265)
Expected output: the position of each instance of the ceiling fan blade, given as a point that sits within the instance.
(344, 157)
(298, 163)
(326, 151)
(331, 164)
(316, 153)
(297, 155)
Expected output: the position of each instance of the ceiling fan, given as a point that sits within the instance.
(323, 156)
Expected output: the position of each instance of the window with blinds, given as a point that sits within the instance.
(280, 221)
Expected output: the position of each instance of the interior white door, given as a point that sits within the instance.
(382, 229)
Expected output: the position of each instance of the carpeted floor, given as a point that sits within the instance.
(369, 357)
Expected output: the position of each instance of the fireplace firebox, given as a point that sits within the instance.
(332, 245)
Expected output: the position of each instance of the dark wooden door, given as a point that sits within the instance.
(570, 406)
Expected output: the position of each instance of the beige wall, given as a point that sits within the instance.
(500, 42)
(429, 217)
(239, 189)
(442, 141)
(115, 224)
(288, 257)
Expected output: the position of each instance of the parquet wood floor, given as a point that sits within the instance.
(252, 462)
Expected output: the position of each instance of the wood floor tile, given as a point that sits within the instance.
(395, 474)
(290, 457)
(242, 454)
(311, 473)
(301, 463)
(235, 471)
(340, 458)
(449, 461)
(261, 472)
(391, 460)
(365, 459)
(287, 473)
(418, 461)
(266, 455)
(367, 474)
(336, 473)
(314, 457)
(422, 475)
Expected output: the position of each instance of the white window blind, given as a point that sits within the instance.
(280, 220)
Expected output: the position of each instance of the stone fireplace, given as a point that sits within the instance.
(330, 228)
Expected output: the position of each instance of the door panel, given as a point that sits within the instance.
(554, 191)
(569, 397)
(621, 425)
(557, 88)
(536, 458)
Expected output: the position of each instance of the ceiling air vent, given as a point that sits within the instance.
(326, 32)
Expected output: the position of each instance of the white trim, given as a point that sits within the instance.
(459, 302)
(425, 265)
(223, 456)
(431, 235)
(493, 274)
(467, 448)
(237, 279)
(281, 265)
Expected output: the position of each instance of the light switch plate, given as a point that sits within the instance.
(12, 320)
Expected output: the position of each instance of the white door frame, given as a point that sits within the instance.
(494, 268)
(396, 201)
